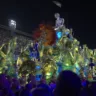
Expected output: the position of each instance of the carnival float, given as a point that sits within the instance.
(52, 49)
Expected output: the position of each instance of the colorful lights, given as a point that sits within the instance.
(59, 34)
(64, 54)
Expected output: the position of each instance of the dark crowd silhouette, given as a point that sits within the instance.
(67, 84)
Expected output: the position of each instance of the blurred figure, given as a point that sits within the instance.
(22, 82)
(33, 81)
(5, 89)
(26, 91)
(15, 85)
(93, 89)
(68, 84)
(45, 87)
(40, 92)
(52, 85)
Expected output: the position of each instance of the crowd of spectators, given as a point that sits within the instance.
(4, 36)
(67, 84)
(22, 41)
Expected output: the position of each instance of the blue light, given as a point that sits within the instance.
(59, 35)
(38, 67)
(38, 77)
(67, 33)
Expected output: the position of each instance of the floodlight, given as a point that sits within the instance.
(12, 24)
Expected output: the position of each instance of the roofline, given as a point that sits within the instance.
(16, 31)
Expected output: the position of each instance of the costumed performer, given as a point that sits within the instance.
(34, 53)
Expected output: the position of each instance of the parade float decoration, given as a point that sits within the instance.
(53, 49)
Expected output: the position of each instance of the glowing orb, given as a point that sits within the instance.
(59, 35)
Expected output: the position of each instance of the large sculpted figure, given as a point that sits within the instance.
(59, 21)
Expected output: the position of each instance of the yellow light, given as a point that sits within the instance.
(19, 61)
(50, 50)
(47, 73)
(41, 54)
(67, 64)
(76, 49)
(49, 66)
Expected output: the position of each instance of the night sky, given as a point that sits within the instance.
(78, 15)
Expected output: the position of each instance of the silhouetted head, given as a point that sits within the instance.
(29, 86)
(68, 84)
(40, 92)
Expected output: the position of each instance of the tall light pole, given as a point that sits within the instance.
(12, 25)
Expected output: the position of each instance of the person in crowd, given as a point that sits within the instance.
(52, 85)
(5, 89)
(26, 91)
(92, 89)
(44, 85)
(15, 85)
(32, 80)
(9, 78)
(68, 84)
(40, 92)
